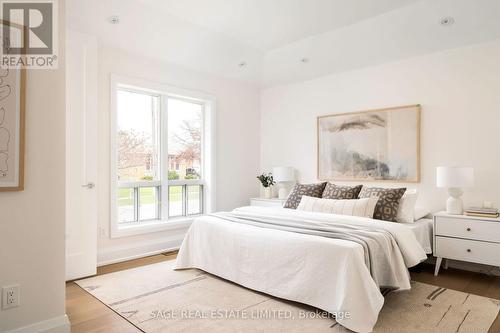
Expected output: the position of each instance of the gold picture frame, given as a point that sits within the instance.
(12, 122)
(379, 145)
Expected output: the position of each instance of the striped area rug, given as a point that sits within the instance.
(156, 298)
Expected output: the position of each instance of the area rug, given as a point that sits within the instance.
(155, 298)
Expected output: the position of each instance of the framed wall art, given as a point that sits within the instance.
(376, 145)
(12, 95)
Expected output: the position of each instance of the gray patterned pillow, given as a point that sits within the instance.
(311, 190)
(388, 201)
(333, 191)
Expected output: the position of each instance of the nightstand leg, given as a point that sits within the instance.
(438, 264)
(445, 264)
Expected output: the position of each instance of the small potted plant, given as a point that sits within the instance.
(267, 181)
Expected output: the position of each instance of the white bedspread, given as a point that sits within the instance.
(329, 274)
(423, 231)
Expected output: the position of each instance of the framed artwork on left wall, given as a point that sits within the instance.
(12, 109)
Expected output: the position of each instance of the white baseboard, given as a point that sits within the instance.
(123, 253)
(53, 325)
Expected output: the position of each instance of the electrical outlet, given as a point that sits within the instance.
(10, 296)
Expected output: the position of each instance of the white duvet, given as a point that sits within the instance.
(327, 273)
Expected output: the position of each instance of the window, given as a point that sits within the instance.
(185, 132)
(137, 152)
(161, 158)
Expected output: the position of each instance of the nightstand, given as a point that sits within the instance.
(466, 238)
(274, 202)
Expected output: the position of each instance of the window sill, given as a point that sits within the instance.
(151, 226)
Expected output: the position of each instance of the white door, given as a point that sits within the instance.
(81, 155)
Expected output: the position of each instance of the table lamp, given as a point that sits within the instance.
(284, 176)
(454, 179)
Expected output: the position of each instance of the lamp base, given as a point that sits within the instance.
(454, 205)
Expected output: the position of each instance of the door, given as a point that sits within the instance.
(81, 155)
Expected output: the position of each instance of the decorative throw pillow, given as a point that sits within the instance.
(353, 207)
(333, 191)
(406, 209)
(388, 203)
(312, 190)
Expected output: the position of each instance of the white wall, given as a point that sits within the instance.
(32, 221)
(237, 143)
(459, 93)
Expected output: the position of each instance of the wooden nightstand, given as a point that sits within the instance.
(274, 202)
(466, 238)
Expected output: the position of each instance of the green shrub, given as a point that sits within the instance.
(173, 175)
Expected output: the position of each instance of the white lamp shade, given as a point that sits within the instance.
(284, 174)
(454, 177)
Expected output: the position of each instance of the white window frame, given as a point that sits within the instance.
(208, 156)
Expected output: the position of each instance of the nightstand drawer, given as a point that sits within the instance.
(468, 250)
(468, 228)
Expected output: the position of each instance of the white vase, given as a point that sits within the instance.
(268, 192)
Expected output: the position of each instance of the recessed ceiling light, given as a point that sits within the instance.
(114, 19)
(304, 60)
(447, 21)
(242, 64)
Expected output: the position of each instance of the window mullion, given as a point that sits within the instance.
(163, 128)
(138, 184)
(184, 200)
(202, 198)
(202, 143)
(136, 204)
(158, 204)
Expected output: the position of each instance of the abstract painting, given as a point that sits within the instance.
(376, 145)
(11, 127)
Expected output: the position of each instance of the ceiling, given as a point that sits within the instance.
(272, 36)
(268, 24)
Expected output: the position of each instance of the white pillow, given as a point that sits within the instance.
(353, 207)
(420, 213)
(406, 209)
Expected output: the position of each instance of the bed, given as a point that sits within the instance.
(423, 232)
(285, 260)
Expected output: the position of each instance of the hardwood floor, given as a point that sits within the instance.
(87, 314)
